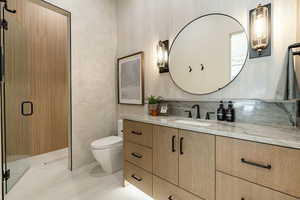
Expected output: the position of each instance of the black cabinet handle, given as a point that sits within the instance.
(136, 178)
(137, 155)
(170, 197)
(242, 198)
(173, 143)
(256, 164)
(136, 133)
(22, 108)
(181, 144)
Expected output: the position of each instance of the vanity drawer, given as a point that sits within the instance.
(138, 177)
(267, 165)
(139, 155)
(137, 132)
(231, 188)
(163, 190)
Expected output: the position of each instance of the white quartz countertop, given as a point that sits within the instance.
(276, 135)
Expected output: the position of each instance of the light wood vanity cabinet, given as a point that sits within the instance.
(186, 159)
(139, 155)
(231, 188)
(268, 165)
(173, 164)
(139, 133)
(163, 190)
(197, 163)
(165, 153)
(138, 177)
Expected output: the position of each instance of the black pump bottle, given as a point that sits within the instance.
(221, 113)
(230, 112)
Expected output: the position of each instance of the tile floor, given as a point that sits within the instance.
(18, 169)
(52, 181)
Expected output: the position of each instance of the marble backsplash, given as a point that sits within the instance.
(247, 111)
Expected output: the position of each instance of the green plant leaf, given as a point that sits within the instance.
(154, 99)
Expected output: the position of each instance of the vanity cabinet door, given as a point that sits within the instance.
(165, 153)
(197, 163)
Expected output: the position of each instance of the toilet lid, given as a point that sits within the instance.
(106, 142)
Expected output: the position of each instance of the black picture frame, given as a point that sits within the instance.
(140, 57)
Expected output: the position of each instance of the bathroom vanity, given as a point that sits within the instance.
(173, 158)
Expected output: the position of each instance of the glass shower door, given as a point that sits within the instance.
(36, 86)
(15, 96)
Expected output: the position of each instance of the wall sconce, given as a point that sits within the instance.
(163, 56)
(260, 31)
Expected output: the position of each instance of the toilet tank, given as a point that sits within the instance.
(120, 128)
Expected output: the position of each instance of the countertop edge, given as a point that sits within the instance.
(241, 136)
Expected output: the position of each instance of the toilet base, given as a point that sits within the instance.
(111, 160)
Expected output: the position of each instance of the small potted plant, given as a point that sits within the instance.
(153, 105)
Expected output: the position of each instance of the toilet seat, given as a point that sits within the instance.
(107, 142)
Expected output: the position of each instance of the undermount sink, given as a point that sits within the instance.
(194, 123)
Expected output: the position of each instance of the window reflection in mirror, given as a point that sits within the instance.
(238, 51)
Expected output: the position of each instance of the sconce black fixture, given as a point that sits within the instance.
(163, 56)
(260, 31)
(295, 46)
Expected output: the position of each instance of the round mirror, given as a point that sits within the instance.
(208, 54)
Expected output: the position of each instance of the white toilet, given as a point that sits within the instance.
(108, 151)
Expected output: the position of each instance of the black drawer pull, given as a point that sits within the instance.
(136, 133)
(242, 198)
(136, 178)
(173, 143)
(137, 155)
(171, 197)
(181, 144)
(22, 108)
(256, 164)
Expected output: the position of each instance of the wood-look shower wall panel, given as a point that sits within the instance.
(48, 40)
(46, 37)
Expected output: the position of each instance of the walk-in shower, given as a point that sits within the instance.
(35, 84)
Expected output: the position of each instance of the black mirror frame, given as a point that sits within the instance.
(182, 29)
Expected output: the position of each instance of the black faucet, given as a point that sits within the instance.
(189, 112)
(198, 111)
(208, 115)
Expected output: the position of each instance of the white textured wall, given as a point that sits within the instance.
(94, 42)
(142, 23)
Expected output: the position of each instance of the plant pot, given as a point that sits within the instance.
(153, 109)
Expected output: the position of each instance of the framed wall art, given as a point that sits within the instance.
(130, 79)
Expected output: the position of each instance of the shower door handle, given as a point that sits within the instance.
(31, 108)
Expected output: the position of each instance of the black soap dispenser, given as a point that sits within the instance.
(230, 112)
(221, 113)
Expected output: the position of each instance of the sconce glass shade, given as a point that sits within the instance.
(163, 56)
(259, 28)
